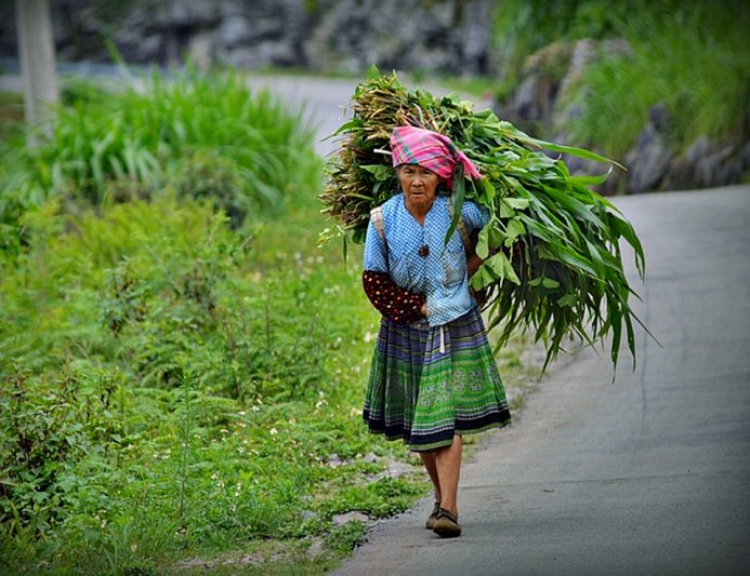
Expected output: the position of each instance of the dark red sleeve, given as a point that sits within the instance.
(392, 301)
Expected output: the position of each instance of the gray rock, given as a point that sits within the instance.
(709, 170)
(317, 547)
(660, 117)
(441, 36)
(680, 175)
(194, 13)
(581, 56)
(334, 461)
(370, 458)
(201, 49)
(398, 469)
(698, 149)
(649, 162)
(234, 31)
(343, 519)
(745, 157)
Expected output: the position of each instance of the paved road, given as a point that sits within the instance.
(649, 475)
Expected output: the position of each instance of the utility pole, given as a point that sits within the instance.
(36, 47)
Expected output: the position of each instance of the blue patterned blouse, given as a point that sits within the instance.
(438, 271)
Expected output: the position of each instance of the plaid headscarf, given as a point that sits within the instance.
(430, 150)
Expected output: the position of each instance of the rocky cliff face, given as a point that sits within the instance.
(449, 36)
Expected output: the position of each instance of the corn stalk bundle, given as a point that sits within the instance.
(553, 261)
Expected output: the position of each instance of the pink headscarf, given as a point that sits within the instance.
(430, 150)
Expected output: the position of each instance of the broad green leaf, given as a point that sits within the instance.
(517, 203)
(381, 173)
(482, 247)
(502, 268)
(481, 278)
(567, 300)
(513, 230)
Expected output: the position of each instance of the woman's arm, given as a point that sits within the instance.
(392, 301)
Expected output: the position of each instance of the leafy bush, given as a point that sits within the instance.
(48, 423)
(150, 285)
(522, 27)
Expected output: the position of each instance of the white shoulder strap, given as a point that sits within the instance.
(461, 228)
(376, 216)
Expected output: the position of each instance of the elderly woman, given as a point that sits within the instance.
(433, 376)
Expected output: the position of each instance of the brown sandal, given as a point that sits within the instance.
(446, 524)
(430, 524)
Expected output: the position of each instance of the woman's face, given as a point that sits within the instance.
(419, 185)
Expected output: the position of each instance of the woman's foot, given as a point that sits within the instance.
(446, 524)
(430, 524)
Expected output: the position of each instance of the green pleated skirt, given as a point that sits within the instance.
(428, 384)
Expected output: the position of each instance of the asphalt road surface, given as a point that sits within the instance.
(649, 475)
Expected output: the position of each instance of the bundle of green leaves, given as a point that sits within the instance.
(553, 260)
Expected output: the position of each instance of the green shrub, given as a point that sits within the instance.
(48, 424)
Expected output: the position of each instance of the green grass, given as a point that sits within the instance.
(695, 61)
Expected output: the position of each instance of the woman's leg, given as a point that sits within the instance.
(428, 459)
(448, 464)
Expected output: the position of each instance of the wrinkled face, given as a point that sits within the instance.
(419, 185)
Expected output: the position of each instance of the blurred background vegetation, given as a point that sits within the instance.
(692, 56)
(182, 367)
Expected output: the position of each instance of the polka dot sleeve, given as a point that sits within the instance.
(390, 300)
